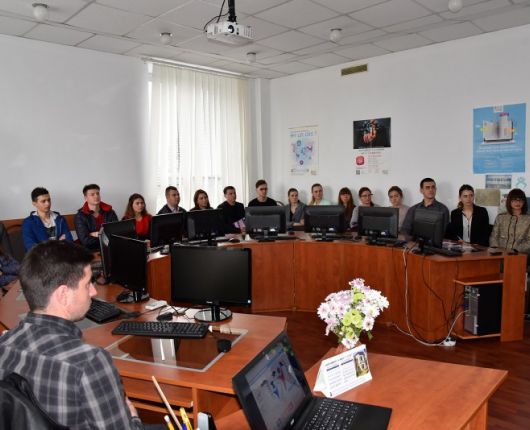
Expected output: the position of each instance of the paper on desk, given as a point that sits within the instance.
(343, 372)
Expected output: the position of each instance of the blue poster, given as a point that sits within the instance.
(499, 139)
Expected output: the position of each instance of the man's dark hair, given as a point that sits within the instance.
(170, 188)
(228, 188)
(260, 182)
(49, 265)
(37, 192)
(426, 180)
(90, 187)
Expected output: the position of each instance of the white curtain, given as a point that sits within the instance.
(199, 134)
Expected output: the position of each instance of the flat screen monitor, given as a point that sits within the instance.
(324, 220)
(378, 222)
(211, 276)
(205, 225)
(167, 229)
(126, 228)
(129, 266)
(264, 222)
(428, 227)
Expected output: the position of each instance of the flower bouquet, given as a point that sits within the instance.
(348, 313)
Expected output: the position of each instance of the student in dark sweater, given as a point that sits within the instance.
(233, 212)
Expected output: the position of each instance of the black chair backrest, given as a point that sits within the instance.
(5, 244)
(16, 242)
(19, 408)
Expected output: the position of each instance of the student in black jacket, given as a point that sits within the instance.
(469, 222)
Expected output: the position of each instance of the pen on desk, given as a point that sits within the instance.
(168, 423)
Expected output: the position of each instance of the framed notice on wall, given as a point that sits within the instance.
(303, 150)
(371, 146)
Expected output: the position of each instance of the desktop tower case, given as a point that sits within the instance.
(483, 307)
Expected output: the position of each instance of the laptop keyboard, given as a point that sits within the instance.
(331, 414)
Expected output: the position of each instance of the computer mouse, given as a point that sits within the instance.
(224, 345)
(234, 240)
(167, 316)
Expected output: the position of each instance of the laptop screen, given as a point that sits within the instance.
(272, 388)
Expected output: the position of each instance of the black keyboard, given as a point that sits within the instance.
(443, 251)
(331, 414)
(163, 329)
(387, 241)
(101, 311)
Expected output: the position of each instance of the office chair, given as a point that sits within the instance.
(19, 408)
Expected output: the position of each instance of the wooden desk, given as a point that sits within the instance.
(299, 275)
(422, 394)
(210, 390)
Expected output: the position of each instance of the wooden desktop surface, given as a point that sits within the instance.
(210, 390)
(422, 394)
(299, 274)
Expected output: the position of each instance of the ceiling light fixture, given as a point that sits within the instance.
(40, 11)
(455, 5)
(335, 34)
(166, 38)
(251, 57)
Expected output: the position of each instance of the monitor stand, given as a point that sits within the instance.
(213, 314)
(132, 296)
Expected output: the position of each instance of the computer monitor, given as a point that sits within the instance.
(211, 276)
(205, 225)
(265, 222)
(129, 267)
(378, 222)
(324, 220)
(125, 228)
(167, 229)
(428, 228)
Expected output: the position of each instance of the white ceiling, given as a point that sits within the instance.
(292, 36)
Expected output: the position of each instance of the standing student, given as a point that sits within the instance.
(469, 222)
(92, 216)
(429, 202)
(43, 223)
(395, 196)
(201, 201)
(294, 210)
(75, 383)
(512, 229)
(365, 199)
(136, 210)
(261, 195)
(172, 202)
(233, 211)
(346, 199)
(317, 196)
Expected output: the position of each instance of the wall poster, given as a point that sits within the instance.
(499, 139)
(303, 147)
(371, 146)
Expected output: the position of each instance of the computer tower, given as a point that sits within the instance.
(483, 307)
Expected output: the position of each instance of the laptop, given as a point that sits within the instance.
(274, 394)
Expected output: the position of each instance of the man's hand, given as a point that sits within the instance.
(94, 234)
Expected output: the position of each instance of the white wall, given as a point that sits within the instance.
(68, 117)
(428, 92)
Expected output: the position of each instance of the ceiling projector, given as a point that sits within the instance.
(230, 32)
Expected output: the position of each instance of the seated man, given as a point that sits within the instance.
(74, 382)
(172, 202)
(92, 216)
(43, 224)
(261, 195)
(429, 202)
(233, 212)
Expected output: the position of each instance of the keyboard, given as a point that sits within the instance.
(332, 414)
(384, 241)
(163, 329)
(101, 311)
(443, 251)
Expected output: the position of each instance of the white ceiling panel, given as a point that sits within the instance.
(233, 66)
(512, 18)
(290, 41)
(108, 44)
(347, 6)
(203, 44)
(277, 59)
(390, 13)
(451, 32)
(262, 52)
(325, 60)
(191, 58)
(64, 36)
(401, 43)
(362, 51)
(363, 37)
(267, 74)
(475, 11)
(15, 27)
(144, 7)
(150, 32)
(317, 49)
(415, 24)
(293, 67)
(251, 7)
(107, 20)
(168, 52)
(347, 25)
(58, 10)
(297, 13)
(264, 29)
(442, 5)
(194, 14)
